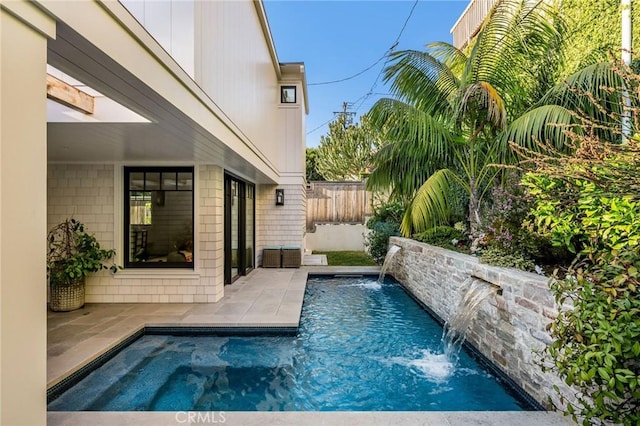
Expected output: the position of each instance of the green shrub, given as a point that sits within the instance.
(498, 257)
(596, 346)
(384, 223)
(507, 237)
(587, 200)
(452, 238)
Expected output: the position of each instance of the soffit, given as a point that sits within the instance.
(169, 136)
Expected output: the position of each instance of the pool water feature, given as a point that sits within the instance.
(388, 258)
(458, 325)
(362, 345)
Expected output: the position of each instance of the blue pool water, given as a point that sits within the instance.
(361, 346)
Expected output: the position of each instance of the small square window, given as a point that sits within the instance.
(288, 94)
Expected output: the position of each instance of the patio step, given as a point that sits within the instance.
(314, 260)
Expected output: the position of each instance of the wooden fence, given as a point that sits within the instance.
(337, 202)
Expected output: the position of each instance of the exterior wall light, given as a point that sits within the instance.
(279, 197)
(288, 94)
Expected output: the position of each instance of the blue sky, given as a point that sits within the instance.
(337, 39)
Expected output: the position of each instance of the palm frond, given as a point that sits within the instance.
(422, 80)
(519, 32)
(482, 98)
(452, 57)
(402, 174)
(545, 124)
(595, 79)
(419, 134)
(430, 206)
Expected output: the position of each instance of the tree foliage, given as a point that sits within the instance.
(311, 160)
(589, 202)
(450, 108)
(345, 153)
(594, 29)
(455, 112)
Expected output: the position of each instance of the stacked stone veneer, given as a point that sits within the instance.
(509, 327)
(88, 193)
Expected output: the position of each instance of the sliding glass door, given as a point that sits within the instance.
(239, 227)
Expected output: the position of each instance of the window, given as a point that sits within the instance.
(288, 94)
(158, 211)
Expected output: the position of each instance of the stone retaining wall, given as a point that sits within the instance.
(509, 327)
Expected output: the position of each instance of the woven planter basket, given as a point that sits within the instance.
(67, 297)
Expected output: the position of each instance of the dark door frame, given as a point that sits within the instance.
(243, 269)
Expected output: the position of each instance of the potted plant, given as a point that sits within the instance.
(73, 254)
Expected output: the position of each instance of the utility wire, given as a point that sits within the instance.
(351, 77)
(386, 54)
(317, 128)
(395, 43)
(366, 96)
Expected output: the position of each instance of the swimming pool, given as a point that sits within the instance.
(361, 346)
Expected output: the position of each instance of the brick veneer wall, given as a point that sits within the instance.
(280, 225)
(87, 192)
(508, 328)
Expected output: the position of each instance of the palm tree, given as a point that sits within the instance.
(454, 112)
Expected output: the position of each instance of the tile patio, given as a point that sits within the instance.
(264, 298)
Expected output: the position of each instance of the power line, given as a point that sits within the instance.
(386, 54)
(395, 43)
(317, 128)
(348, 115)
(406, 22)
(351, 77)
(366, 96)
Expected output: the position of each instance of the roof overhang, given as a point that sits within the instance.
(102, 45)
(295, 71)
(286, 71)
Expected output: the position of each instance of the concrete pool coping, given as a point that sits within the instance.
(264, 298)
(311, 418)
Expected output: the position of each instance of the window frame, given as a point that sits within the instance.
(128, 170)
(283, 98)
(243, 205)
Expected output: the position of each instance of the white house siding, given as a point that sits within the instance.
(280, 225)
(171, 23)
(291, 135)
(232, 125)
(233, 64)
(234, 67)
(88, 193)
(85, 192)
(469, 22)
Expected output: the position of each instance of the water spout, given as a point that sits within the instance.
(387, 261)
(456, 328)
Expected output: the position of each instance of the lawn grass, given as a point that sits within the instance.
(347, 258)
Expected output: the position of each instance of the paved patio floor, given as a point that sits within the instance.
(264, 298)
